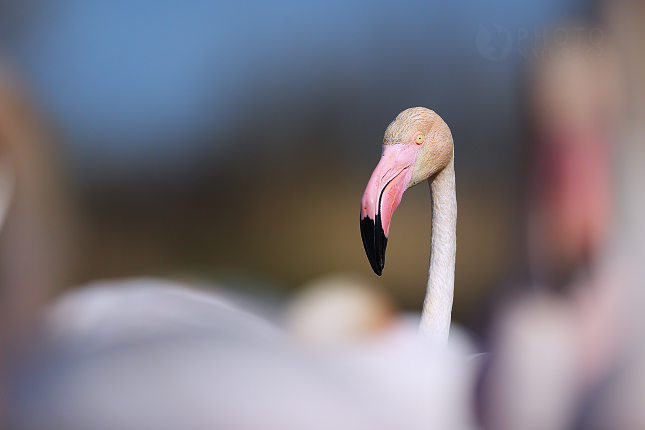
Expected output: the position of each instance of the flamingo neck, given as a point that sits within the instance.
(437, 306)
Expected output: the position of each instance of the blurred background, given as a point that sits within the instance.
(230, 143)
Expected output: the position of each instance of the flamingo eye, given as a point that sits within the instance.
(419, 139)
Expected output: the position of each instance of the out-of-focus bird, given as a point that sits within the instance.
(148, 353)
(338, 311)
(417, 146)
(36, 245)
(552, 348)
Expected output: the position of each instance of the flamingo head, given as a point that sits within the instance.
(417, 145)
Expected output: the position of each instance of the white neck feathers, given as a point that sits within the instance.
(437, 306)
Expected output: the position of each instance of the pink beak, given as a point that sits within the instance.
(381, 198)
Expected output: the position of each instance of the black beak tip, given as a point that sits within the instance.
(374, 242)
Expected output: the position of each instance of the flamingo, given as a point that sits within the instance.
(417, 146)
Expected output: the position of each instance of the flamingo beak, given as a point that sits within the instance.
(381, 198)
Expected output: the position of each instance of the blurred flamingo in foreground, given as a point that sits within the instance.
(556, 347)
